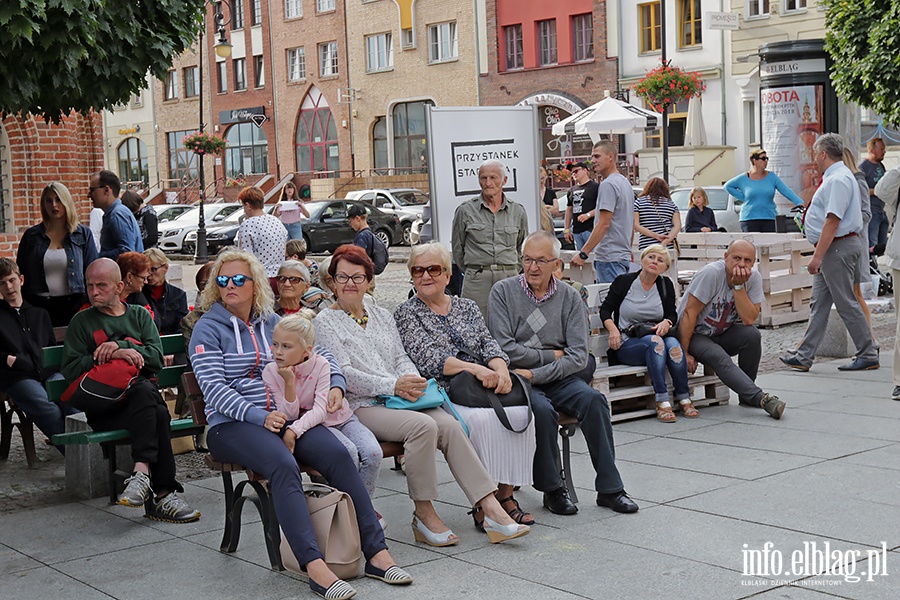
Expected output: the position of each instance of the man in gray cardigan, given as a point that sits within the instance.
(543, 326)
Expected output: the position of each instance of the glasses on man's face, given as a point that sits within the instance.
(344, 278)
(92, 189)
(155, 269)
(239, 280)
(762, 158)
(433, 270)
(292, 280)
(540, 262)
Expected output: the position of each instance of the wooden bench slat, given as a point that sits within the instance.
(100, 437)
(168, 377)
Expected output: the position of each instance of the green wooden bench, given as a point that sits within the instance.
(168, 377)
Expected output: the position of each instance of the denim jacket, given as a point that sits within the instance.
(80, 252)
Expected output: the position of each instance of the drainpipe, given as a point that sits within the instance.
(722, 79)
(274, 91)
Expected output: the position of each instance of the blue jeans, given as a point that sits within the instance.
(31, 397)
(758, 226)
(581, 238)
(572, 396)
(878, 228)
(259, 449)
(606, 272)
(648, 351)
(295, 231)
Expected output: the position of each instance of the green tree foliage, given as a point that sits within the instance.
(863, 39)
(57, 56)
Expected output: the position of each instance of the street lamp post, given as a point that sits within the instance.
(665, 112)
(223, 49)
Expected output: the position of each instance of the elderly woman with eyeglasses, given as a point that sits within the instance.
(295, 292)
(446, 335)
(135, 269)
(364, 339)
(229, 350)
(169, 303)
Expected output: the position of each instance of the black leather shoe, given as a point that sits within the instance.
(860, 365)
(558, 502)
(794, 363)
(618, 501)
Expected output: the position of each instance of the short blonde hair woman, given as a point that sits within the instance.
(168, 303)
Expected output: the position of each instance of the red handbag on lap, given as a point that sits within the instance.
(103, 387)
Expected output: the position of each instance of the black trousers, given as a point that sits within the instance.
(145, 415)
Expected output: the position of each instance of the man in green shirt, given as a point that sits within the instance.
(132, 337)
(488, 232)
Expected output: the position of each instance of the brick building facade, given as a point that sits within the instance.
(552, 55)
(34, 153)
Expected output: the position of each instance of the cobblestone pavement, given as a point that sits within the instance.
(23, 488)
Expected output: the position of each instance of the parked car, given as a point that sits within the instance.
(725, 207)
(168, 212)
(172, 233)
(222, 234)
(327, 226)
(406, 203)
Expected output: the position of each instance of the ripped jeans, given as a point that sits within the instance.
(658, 354)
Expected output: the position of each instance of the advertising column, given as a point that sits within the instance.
(798, 105)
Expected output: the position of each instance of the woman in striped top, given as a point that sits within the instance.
(229, 350)
(656, 218)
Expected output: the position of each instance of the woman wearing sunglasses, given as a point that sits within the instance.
(443, 335)
(229, 350)
(756, 190)
(366, 343)
(295, 291)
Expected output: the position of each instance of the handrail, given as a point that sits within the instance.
(714, 159)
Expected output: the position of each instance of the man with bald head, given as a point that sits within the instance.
(108, 330)
(716, 320)
(488, 232)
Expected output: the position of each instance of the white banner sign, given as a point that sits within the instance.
(723, 20)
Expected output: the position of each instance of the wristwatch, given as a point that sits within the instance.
(582, 255)
(738, 287)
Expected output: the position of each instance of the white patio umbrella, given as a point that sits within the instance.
(695, 129)
(609, 116)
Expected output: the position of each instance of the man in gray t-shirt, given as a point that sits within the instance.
(614, 222)
(716, 320)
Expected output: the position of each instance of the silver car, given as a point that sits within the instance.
(172, 233)
(725, 207)
(406, 203)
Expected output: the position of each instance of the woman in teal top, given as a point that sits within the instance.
(756, 189)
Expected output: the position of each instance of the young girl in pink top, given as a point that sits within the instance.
(299, 380)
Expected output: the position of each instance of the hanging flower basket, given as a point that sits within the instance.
(667, 85)
(204, 143)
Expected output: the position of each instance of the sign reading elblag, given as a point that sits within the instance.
(460, 139)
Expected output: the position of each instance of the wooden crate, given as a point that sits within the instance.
(786, 283)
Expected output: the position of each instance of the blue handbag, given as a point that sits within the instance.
(435, 396)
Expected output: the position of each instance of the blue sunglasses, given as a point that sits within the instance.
(239, 280)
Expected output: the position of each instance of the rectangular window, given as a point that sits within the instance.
(677, 127)
(293, 9)
(171, 85)
(137, 100)
(757, 8)
(328, 59)
(689, 23)
(794, 5)
(237, 14)
(182, 162)
(407, 38)
(191, 82)
(649, 23)
(222, 73)
(296, 58)
(583, 37)
(442, 42)
(259, 71)
(240, 74)
(324, 5)
(547, 42)
(750, 120)
(256, 18)
(515, 55)
(379, 52)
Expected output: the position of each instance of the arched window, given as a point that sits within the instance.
(247, 152)
(316, 141)
(410, 146)
(380, 143)
(133, 162)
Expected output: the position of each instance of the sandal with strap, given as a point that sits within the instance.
(664, 413)
(518, 515)
(479, 525)
(688, 409)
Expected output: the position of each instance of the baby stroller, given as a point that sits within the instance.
(885, 281)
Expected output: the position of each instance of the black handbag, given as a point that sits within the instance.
(639, 330)
(466, 390)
